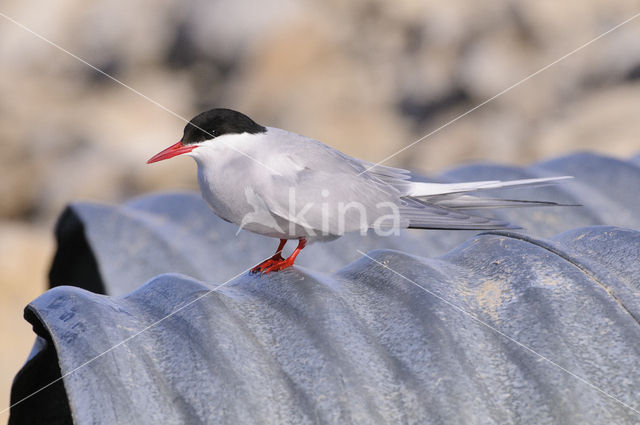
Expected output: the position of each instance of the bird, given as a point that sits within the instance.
(287, 186)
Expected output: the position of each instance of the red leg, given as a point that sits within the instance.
(283, 264)
(276, 258)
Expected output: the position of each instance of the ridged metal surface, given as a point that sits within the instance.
(401, 337)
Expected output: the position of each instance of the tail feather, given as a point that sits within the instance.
(467, 202)
(422, 215)
(438, 206)
(425, 190)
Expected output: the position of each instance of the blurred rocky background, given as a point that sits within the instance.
(368, 77)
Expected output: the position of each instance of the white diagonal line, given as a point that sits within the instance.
(114, 79)
(125, 340)
(531, 350)
(385, 159)
(544, 68)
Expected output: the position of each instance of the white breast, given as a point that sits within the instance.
(234, 174)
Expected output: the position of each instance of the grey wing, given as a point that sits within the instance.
(398, 178)
(423, 215)
(331, 203)
(438, 205)
(333, 193)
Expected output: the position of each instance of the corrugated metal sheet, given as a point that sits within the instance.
(506, 327)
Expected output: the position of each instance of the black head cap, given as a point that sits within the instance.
(216, 122)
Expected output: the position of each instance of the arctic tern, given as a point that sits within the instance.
(287, 186)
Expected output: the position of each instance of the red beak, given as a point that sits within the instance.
(171, 151)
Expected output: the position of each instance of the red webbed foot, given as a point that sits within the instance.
(267, 264)
(277, 262)
(275, 259)
(279, 266)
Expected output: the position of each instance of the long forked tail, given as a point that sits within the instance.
(437, 205)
